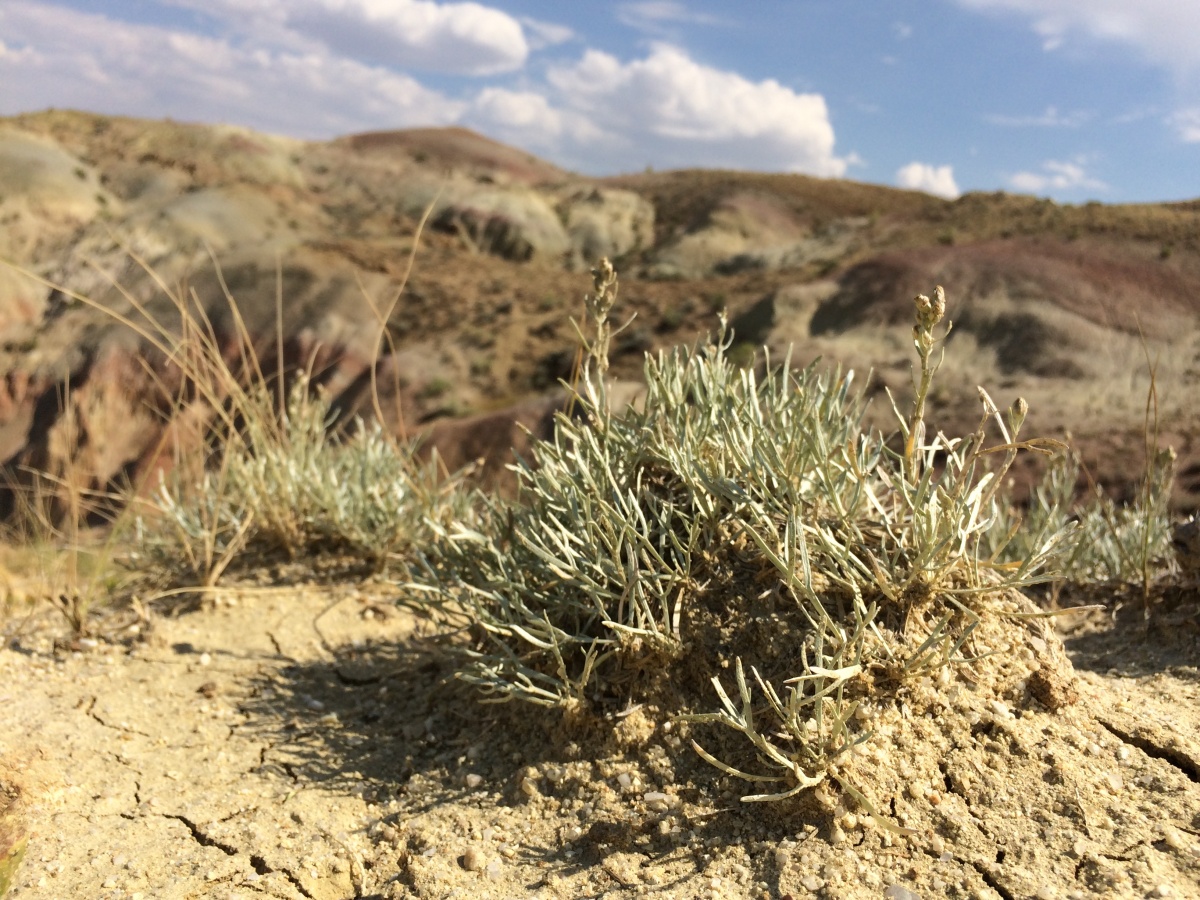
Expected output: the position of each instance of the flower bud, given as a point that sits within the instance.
(939, 304)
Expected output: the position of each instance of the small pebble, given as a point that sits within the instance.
(473, 781)
(472, 859)
(1174, 838)
(1000, 709)
(899, 892)
(657, 800)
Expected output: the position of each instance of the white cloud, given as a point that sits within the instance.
(1051, 118)
(1057, 176)
(1162, 30)
(421, 35)
(902, 30)
(1187, 123)
(656, 16)
(91, 62)
(677, 112)
(464, 38)
(918, 176)
(546, 34)
(597, 114)
(521, 117)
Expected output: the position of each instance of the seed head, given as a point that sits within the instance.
(930, 312)
(604, 280)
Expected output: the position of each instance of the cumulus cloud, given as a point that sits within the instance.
(1164, 31)
(419, 35)
(678, 112)
(102, 65)
(463, 38)
(1056, 176)
(918, 176)
(273, 69)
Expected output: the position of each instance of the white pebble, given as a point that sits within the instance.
(657, 800)
(899, 892)
(1174, 838)
(473, 781)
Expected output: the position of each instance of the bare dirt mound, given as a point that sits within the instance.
(460, 148)
(307, 742)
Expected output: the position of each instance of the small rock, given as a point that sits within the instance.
(657, 800)
(472, 859)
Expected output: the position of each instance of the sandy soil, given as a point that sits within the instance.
(310, 743)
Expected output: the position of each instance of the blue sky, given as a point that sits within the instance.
(1071, 99)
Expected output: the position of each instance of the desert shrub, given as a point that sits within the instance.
(253, 469)
(281, 485)
(1110, 543)
(735, 522)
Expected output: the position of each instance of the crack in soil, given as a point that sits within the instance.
(199, 836)
(359, 680)
(278, 647)
(258, 863)
(1170, 756)
(262, 867)
(992, 881)
(95, 716)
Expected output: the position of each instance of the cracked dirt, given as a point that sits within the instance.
(309, 743)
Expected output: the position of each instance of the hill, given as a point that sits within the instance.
(1064, 305)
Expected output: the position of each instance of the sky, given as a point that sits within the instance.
(1075, 100)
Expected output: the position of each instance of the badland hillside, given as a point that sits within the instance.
(429, 277)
